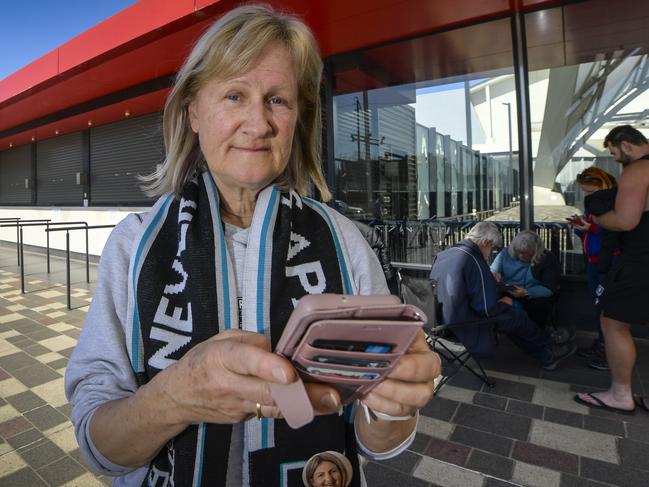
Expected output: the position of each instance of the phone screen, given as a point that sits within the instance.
(354, 346)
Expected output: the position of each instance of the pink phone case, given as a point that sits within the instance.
(378, 319)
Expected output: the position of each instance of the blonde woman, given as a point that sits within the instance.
(170, 379)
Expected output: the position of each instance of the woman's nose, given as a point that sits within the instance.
(258, 119)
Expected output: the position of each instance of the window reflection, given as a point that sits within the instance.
(415, 131)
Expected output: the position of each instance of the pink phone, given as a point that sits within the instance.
(350, 342)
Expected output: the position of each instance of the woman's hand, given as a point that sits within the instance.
(409, 386)
(519, 292)
(222, 379)
(497, 276)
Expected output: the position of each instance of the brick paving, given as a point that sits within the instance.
(526, 430)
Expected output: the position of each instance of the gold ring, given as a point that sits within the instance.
(259, 415)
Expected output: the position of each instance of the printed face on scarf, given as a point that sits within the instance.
(245, 125)
(327, 474)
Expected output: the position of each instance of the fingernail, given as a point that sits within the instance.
(329, 402)
(280, 375)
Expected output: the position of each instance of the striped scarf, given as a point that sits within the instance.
(182, 290)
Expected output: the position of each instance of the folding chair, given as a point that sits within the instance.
(455, 355)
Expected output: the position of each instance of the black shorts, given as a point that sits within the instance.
(625, 295)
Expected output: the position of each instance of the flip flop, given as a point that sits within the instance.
(641, 402)
(599, 404)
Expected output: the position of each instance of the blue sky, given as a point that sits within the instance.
(31, 28)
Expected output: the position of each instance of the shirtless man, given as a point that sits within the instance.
(625, 299)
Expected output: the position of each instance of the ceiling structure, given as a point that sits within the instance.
(124, 65)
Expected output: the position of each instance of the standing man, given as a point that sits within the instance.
(626, 289)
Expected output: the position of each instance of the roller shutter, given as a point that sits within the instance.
(118, 153)
(58, 161)
(15, 168)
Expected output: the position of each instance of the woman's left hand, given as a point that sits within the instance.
(409, 386)
(519, 292)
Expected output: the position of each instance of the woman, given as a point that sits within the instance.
(175, 357)
(327, 469)
(534, 271)
(600, 248)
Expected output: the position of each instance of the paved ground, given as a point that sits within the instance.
(525, 431)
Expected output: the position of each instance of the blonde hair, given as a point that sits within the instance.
(230, 47)
(327, 456)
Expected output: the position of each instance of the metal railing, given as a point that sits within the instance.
(67, 253)
(17, 222)
(416, 242)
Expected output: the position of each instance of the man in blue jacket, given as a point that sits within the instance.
(467, 291)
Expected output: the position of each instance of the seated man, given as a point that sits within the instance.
(533, 270)
(466, 290)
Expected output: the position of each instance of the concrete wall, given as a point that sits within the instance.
(37, 235)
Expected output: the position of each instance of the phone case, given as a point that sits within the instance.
(379, 319)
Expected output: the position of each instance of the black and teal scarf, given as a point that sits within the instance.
(182, 291)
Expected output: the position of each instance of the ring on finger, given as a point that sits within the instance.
(258, 412)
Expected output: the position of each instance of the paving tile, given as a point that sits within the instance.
(440, 408)
(572, 481)
(65, 410)
(458, 394)
(490, 464)
(444, 474)
(522, 408)
(43, 334)
(86, 480)
(492, 482)
(25, 401)
(11, 462)
(11, 386)
(564, 417)
(9, 318)
(61, 471)
(447, 451)
(26, 326)
(420, 443)
(74, 333)
(18, 339)
(434, 427)
(58, 364)
(36, 350)
(535, 476)
(12, 363)
(41, 453)
(633, 454)
(36, 375)
(483, 441)
(3, 375)
(59, 343)
(65, 439)
(403, 463)
(45, 417)
(511, 389)
(490, 401)
(559, 398)
(7, 412)
(14, 426)
(380, 475)
(25, 438)
(604, 425)
(52, 392)
(67, 352)
(23, 478)
(574, 440)
(612, 474)
(466, 380)
(546, 457)
(637, 432)
(491, 421)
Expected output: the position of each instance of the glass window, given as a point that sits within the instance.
(426, 128)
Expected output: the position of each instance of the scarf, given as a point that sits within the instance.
(182, 290)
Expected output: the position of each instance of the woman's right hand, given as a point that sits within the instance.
(222, 379)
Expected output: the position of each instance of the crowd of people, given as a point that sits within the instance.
(170, 380)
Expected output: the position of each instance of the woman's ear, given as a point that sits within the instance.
(192, 112)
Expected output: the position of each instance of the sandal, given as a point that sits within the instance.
(599, 404)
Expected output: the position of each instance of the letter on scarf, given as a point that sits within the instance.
(303, 270)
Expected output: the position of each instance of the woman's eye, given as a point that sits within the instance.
(233, 97)
(276, 100)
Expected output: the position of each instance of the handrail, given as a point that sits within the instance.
(15, 224)
(67, 253)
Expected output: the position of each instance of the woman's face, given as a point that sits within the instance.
(245, 125)
(327, 475)
(525, 255)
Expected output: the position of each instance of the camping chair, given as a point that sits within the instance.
(455, 355)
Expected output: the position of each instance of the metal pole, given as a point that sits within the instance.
(87, 258)
(22, 259)
(509, 122)
(17, 241)
(47, 226)
(67, 265)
